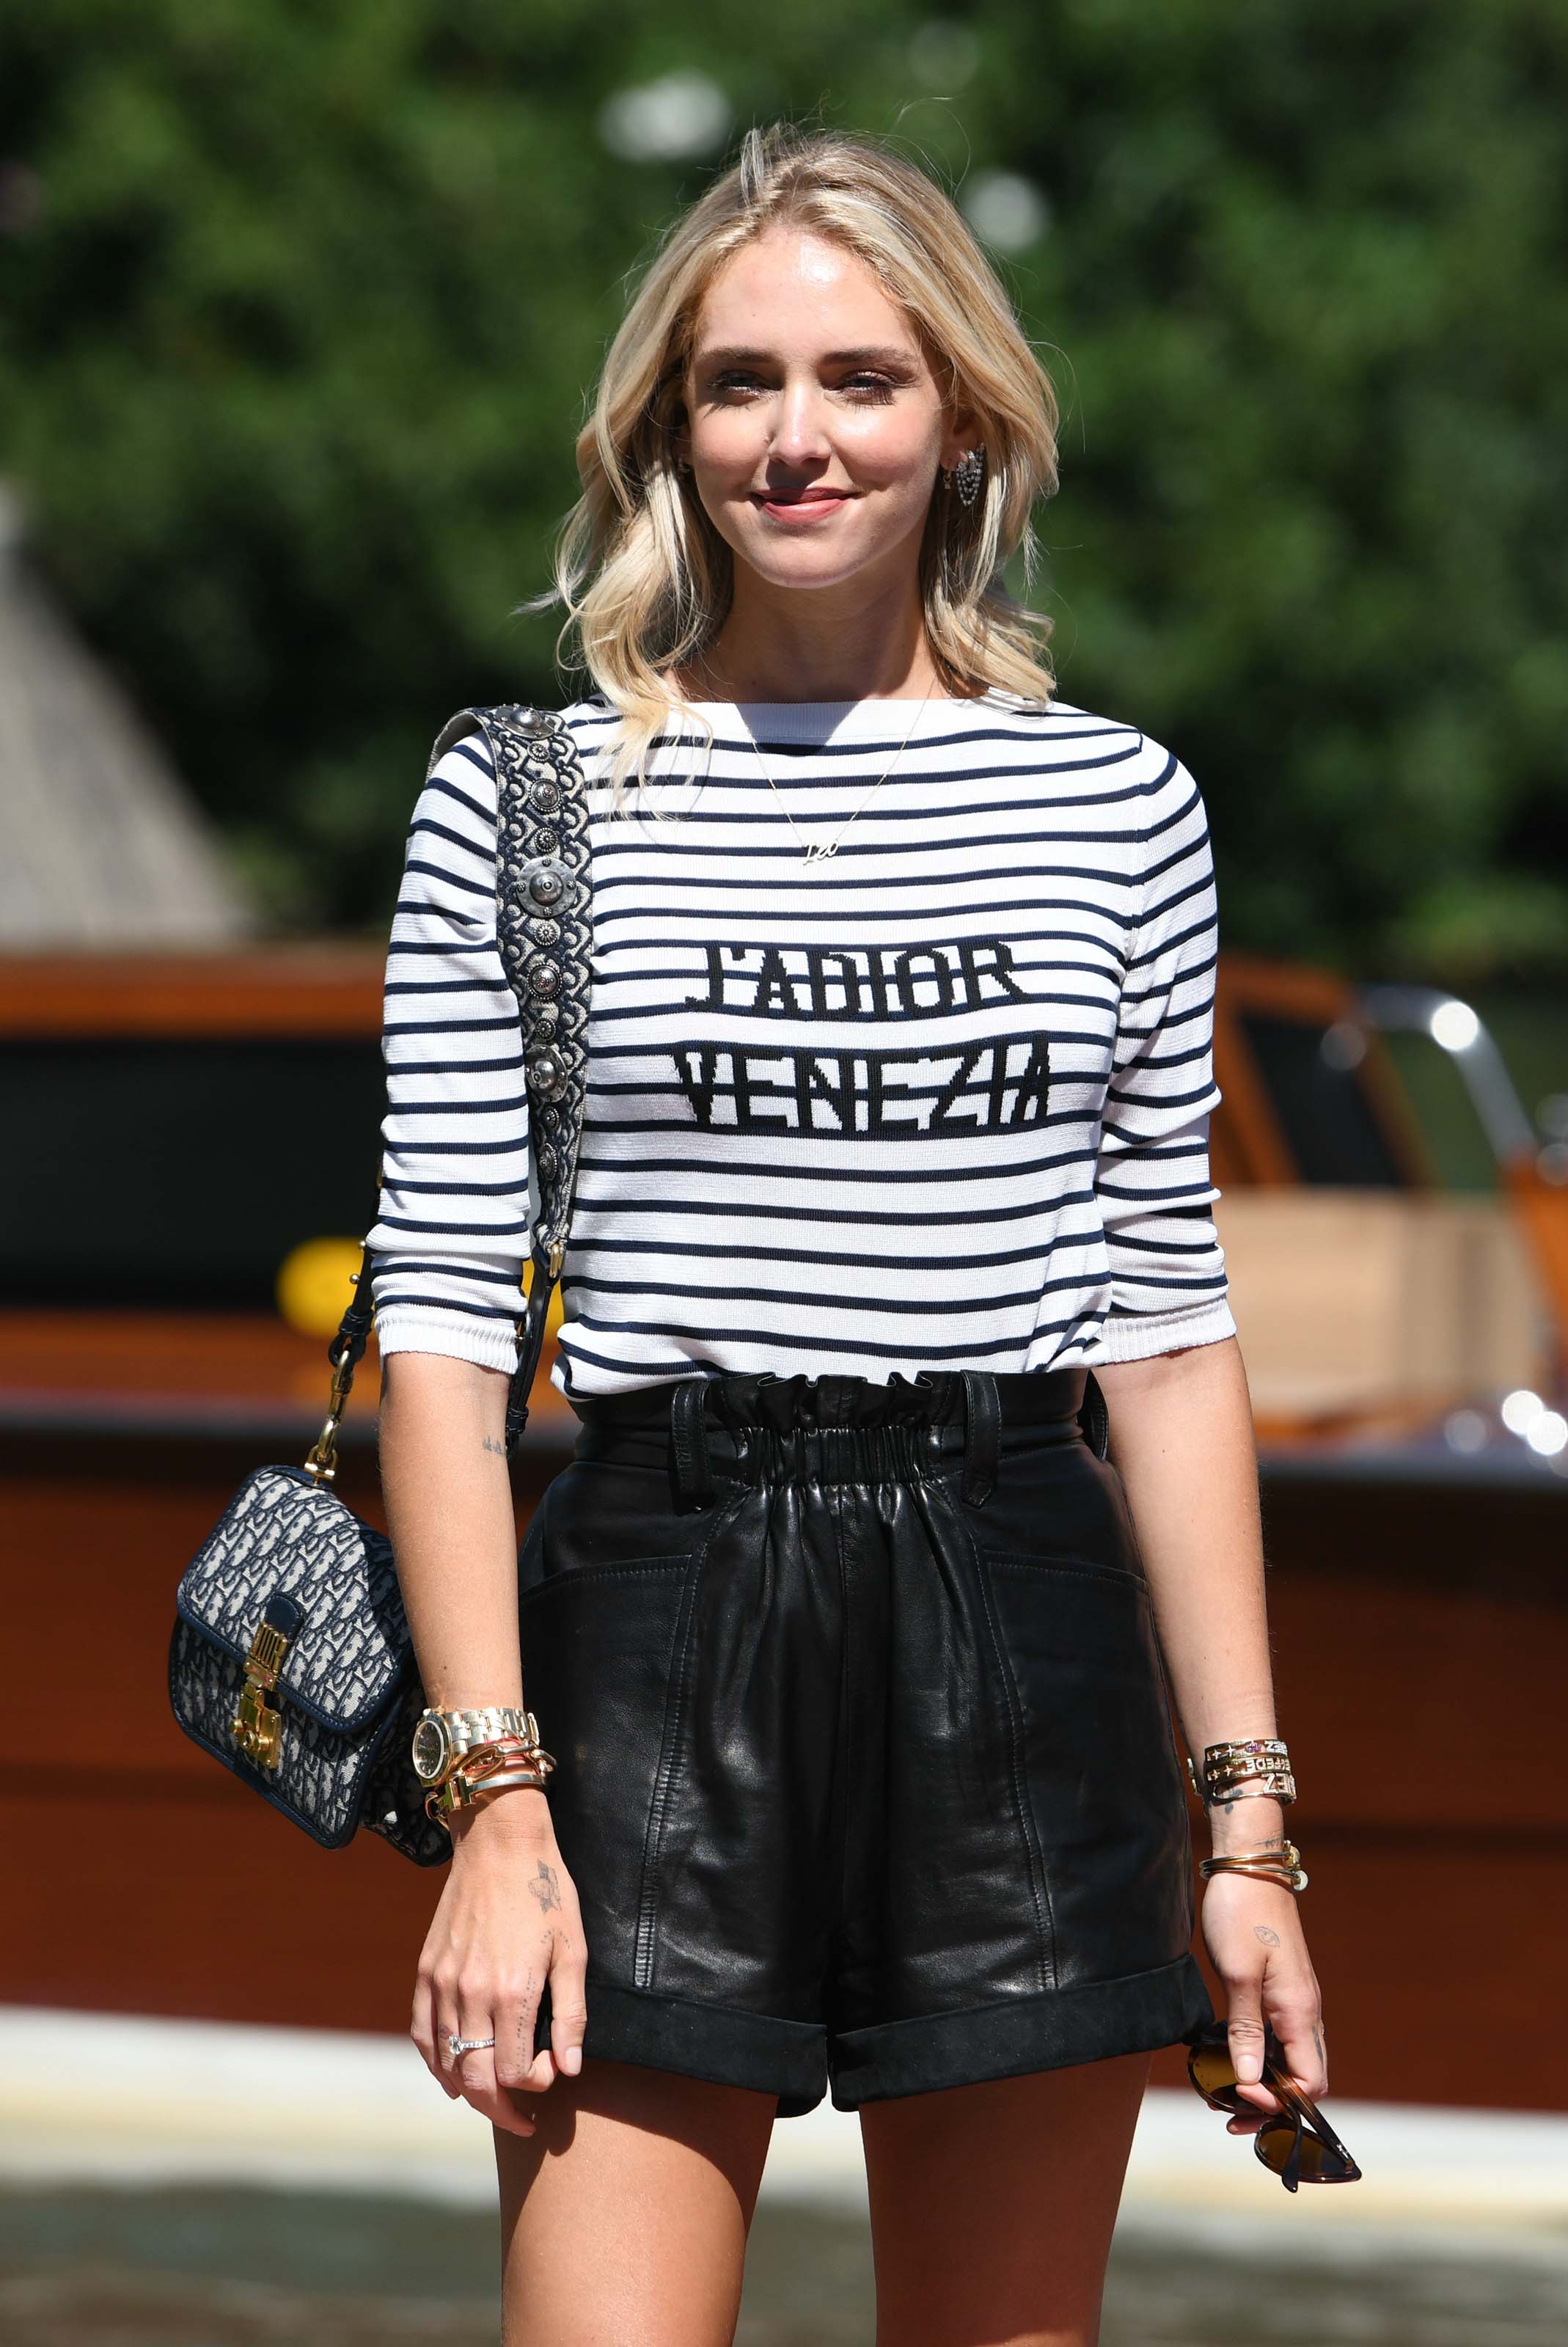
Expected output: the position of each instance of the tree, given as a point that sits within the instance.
(300, 303)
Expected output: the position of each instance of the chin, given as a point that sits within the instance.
(804, 565)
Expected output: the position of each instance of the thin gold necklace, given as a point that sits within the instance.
(818, 851)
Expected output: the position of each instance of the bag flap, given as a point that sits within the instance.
(284, 1535)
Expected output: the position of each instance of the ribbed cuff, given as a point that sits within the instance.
(1139, 1337)
(489, 1344)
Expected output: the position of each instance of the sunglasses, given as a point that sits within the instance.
(1297, 2142)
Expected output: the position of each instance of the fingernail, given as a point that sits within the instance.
(571, 2060)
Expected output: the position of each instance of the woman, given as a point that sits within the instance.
(843, 1634)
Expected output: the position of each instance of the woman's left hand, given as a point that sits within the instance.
(1253, 1933)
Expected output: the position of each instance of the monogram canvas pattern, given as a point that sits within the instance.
(344, 1736)
(320, 1776)
(283, 1535)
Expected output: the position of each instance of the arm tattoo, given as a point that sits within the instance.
(545, 1888)
(490, 1444)
(1261, 1931)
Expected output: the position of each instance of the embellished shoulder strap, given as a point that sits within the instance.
(544, 928)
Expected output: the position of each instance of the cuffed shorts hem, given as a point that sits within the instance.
(1005, 2039)
(1016, 2035)
(718, 2043)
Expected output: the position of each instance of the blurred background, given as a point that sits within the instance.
(299, 308)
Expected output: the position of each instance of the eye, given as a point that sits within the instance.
(873, 389)
(865, 387)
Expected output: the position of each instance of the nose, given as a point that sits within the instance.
(799, 436)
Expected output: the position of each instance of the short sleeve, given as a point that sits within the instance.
(451, 1235)
(1168, 1283)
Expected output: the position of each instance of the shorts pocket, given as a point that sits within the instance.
(599, 1649)
(592, 1517)
(1097, 1740)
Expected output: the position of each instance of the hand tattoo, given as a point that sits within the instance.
(545, 1888)
(1261, 1931)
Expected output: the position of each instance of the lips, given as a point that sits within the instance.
(805, 506)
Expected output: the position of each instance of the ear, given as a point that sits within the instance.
(962, 434)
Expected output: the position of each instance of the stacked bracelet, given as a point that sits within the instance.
(1281, 1865)
(1257, 1769)
(496, 1766)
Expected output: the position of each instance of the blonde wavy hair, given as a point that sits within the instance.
(645, 577)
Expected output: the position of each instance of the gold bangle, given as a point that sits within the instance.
(460, 1791)
(1282, 1866)
(504, 1752)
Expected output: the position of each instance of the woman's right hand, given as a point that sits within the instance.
(507, 1921)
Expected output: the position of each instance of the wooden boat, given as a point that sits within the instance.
(1415, 1540)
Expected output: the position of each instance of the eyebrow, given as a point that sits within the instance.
(884, 354)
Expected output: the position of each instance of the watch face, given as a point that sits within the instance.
(429, 1751)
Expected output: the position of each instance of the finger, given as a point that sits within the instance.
(505, 2112)
(491, 2101)
(422, 2023)
(517, 2018)
(475, 2071)
(450, 2005)
(443, 2028)
(1245, 2040)
(1297, 2024)
(569, 2014)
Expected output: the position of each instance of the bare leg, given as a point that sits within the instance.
(992, 2207)
(624, 2219)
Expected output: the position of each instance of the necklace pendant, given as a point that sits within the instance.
(820, 850)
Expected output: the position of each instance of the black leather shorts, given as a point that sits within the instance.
(867, 1772)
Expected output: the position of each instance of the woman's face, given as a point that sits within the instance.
(815, 426)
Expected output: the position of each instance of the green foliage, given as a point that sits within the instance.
(293, 353)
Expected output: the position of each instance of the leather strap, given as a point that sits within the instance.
(689, 1440)
(982, 1435)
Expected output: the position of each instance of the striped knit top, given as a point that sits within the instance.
(939, 1100)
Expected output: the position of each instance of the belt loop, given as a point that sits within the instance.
(1093, 1416)
(982, 1435)
(689, 1440)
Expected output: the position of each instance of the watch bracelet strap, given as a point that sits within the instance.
(480, 1721)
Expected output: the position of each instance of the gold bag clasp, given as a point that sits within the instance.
(256, 1726)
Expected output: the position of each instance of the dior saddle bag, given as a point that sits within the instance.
(291, 1660)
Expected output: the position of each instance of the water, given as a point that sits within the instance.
(242, 2268)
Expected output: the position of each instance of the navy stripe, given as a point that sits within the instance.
(1073, 847)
